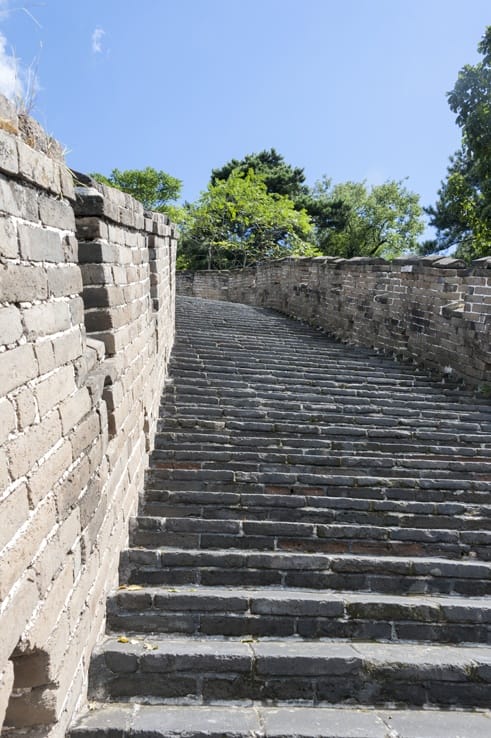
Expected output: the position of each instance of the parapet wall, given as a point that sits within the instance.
(86, 329)
(434, 311)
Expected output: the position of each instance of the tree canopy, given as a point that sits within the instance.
(348, 219)
(462, 213)
(155, 189)
(279, 177)
(236, 221)
(384, 220)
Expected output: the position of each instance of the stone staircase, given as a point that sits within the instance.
(312, 553)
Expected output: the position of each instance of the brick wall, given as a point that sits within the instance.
(434, 311)
(86, 328)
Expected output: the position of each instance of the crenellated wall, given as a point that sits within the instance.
(435, 311)
(86, 329)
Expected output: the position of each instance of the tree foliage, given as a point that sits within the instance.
(282, 178)
(236, 221)
(155, 189)
(384, 220)
(278, 176)
(347, 219)
(462, 214)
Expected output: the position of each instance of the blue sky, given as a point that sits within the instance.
(351, 89)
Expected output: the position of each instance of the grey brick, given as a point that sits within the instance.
(17, 366)
(40, 244)
(22, 283)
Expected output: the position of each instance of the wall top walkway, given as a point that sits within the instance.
(433, 310)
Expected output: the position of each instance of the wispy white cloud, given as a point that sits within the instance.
(6, 8)
(17, 82)
(97, 37)
(10, 81)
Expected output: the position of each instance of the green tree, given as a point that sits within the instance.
(347, 219)
(278, 176)
(384, 220)
(462, 213)
(282, 178)
(236, 221)
(155, 189)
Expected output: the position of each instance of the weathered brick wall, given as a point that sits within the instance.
(435, 310)
(86, 328)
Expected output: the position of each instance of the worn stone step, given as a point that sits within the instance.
(278, 433)
(456, 436)
(319, 399)
(119, 720)
(333, 462)
(205, 393)
(223, 533)
(268, 365)
(316, 509)
(329, 485)
(265, 377)
(304, 613)
(416, 457)
(425, 393)
(338, 382)
(400, 442)
(329, 357)
(271, 383)
(315, 672)
(428, 491)
(350, 473)
(369, 573)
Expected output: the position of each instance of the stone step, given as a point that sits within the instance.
(119, 720)
(351, 473)
(202, 389)
(274, 513)
(437, 492)
(285, 508)
(268, 368)
(185, 393)
(417, 456)
(272, 346)
(330, 431)
(315, 672)
(421, 488)
(275, 612)
(158, 532)
(453, 436)
(424, 388)
(308, 463)
(399, 442)
(267, 382)
(284, 362)
(283, 358)
(429, 420)
(369, 573)
(337, 371)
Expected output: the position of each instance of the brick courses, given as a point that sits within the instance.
(86, 329)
